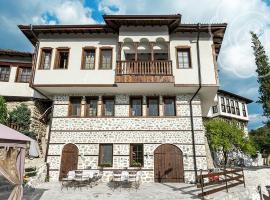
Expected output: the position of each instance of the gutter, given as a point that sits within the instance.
(49, 134)
(192, 98)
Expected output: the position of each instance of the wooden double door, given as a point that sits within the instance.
(168, 164)
(69, 160)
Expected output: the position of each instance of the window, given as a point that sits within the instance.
(88, 58)
(45, 60)
(223, 104)
(136, 106)
(169, 106)
(105, 59)
(244, 110)
(232, 106)
(215, 109)
(228, 106)
(108, 106)
(136, 155)
(24, 74)
(153, 106)
(4, 73)
(183, 58)
(91, 106)
(106, 155)
(237, 108)
(61, 57)
(75, 106)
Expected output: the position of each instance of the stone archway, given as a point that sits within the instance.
(168, 164)
(69, 159)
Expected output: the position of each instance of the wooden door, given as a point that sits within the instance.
(168, 164)
(69, 159)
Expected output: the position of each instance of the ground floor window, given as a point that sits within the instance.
(106, 155)
(169, 106)
(136, 155)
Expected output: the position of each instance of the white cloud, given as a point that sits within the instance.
(242, 16)
(256, 118)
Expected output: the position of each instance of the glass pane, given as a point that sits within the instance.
(92, 107)
(136, 107)
(137, 155)
(4, 73)
(25, 75)
(89, 59)
(106, 59)
(63, 60)
(108, 107)
(75, 106)
(106, 157)
(169, 107)
(47, 60)
(153, 107)
(183, 58)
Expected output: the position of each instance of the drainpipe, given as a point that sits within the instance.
(190, 102)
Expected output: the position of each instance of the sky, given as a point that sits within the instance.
(236, 61)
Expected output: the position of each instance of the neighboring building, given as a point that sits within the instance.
(231, 106)
(15, 75)
(122, 93)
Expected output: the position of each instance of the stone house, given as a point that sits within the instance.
(128, 94)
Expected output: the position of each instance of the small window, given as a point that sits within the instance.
(228, 106)
(24, 74)
(215, 109)
(4, 73)
(237, 108)
(169, 106)
(183, 58)
(244, 110)
(153, 106)
(91, 106)
(232, 106)
(136, 106)
(106, 155)
(75, 106)
(62, 57)
(223, 108)
(45, 60)
(105, 59)
(88, 58)
(136, 155)
(108, 106)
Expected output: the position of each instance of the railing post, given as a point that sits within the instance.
(225, 174)
(201, 182)
(243, 177)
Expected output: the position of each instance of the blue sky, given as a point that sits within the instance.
(236, 61)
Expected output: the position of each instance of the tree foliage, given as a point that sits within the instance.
(227, 137)
(263, 71)
(21, 116)
(3, 111)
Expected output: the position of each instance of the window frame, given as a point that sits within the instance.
(237, 108)
(187, 49)
(42, 57)
(86, 106)
(9, 67)
(223, 104)
(232, 106)
(100, 57)
(70, 107)
(215, 109)
(174, 99)
(83, 57)
(100, 164)
(102, 107)
(130, 105)
(228, 106)
(131, 156)
(244, 110)
(57, 57)
(19, 73)
(147, 106)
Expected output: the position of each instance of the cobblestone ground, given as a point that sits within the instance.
(166, 191)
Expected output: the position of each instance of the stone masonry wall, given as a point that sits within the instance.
(121, 130)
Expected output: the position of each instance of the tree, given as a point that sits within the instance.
(3, 111)
(226, 137)
(263, 71)
(21, 116)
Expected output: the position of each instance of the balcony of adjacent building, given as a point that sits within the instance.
(144, 62)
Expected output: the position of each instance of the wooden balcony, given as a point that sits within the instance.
(157, 71)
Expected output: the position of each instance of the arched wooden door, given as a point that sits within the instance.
(168, 164)
(69, 159)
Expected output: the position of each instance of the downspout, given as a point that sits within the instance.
(192, 98)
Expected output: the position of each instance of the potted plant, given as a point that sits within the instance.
(136, 164)
(106, 164)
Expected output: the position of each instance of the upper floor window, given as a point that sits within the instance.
(228, 106)
(24, 74)
(61, 58)
(4, 73)
(136, 155)
(215, 109)
(153, 106)
(108, 106)
(237, 108)
(91, 106)
(232, 106)
(223, 109)
(88, 58)
(75, 106)
(105, 58)
(45, 59)
(169, 106)
(183, 58)
(244, 110)
(106, 155)
(136, 106)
